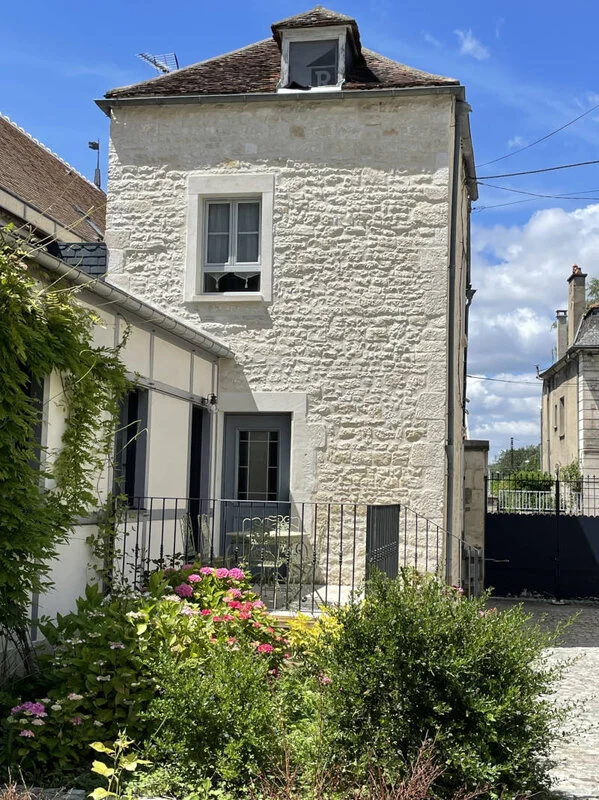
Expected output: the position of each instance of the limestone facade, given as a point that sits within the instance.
(354, 341)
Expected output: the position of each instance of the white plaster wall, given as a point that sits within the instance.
(168, 446)
(358, 320)
(171, 364)
(71, 571)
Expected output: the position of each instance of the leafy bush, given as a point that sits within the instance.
(100, 674)
(415, 660)
(532, 481)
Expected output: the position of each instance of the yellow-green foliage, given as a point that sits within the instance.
(306, 633)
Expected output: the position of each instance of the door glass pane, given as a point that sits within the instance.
(257, 471)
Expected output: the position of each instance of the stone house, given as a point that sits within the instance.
(570, 402)
(306, 201)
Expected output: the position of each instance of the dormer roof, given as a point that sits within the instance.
(256, 69)
(317, 17)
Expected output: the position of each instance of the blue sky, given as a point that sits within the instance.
(528, 67)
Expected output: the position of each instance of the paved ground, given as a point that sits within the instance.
(577, 773)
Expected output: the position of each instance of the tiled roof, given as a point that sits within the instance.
(39, 177)
(89, 257)
(317, 17)
(588, 333)
(257, 67)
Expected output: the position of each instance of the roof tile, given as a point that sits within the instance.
(39, 177)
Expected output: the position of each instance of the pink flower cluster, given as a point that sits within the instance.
(184, 590)
(35, 709)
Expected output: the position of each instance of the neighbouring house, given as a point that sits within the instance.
(60, 216)
(307, 201)
(570, 403)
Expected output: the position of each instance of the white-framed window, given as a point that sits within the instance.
(229, 237)
(314, 59)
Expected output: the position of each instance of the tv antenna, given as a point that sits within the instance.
(163, 64)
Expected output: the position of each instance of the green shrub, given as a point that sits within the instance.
(214, 718)
(415, 660)
(100, 675)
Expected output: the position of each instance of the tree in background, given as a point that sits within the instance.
(592, 292)
(518, 459)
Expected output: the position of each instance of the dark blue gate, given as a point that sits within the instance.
(382, 540)
(553, 554)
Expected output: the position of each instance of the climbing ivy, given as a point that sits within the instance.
(43, 330)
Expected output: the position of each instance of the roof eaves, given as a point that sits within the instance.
(106, 103)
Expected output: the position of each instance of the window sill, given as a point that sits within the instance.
(229, 297)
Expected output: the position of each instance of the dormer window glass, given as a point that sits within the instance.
(313, 64)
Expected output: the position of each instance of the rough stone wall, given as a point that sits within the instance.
(359, 314)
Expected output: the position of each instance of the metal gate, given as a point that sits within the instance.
(382, 540)
(543, 545)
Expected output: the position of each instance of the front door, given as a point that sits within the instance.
(255, 478)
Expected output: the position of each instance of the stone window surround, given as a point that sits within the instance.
(212, 185)
(339, 32)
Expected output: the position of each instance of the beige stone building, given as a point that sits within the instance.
(306, 201)
(570, 403)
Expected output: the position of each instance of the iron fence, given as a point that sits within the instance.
(540, 493)
(300, 555)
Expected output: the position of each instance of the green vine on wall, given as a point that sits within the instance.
(44, 330)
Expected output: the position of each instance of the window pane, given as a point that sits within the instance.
(248, 217)
(247, 248)
(257, 475)
(218, 217)
(218, 248)
(313, 63)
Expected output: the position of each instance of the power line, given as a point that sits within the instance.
(538, 141)
(536, 171)
(566, 196)
(500, 380)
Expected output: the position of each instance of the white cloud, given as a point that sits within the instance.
(430, 39)
(516, 141)
(470, 46)
(520, 274)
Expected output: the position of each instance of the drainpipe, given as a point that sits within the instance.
(451, 360)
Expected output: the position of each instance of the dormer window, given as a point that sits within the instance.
(314, 59)
(313, 64)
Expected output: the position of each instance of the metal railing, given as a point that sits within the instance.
(300, 555)
(540, 493)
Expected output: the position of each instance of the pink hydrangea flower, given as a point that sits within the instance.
(36, 709)
(187, 611)
(206, 612)
(76, 720)
(37, 721)
(222, 572)
(188, 566)
(231, 640)
(234, 604)
(206, 571)
(236, 574)
(184, 590)
(228, 618)
(324, 680)
(245, 615)
(193, 578)
(26, 732)
(264, 648)
(235, 593)
(217, 619)
(258, 604)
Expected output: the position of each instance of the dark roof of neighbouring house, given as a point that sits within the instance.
(588, 332)
(40, 178)
(256, 68)
(89, 257)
